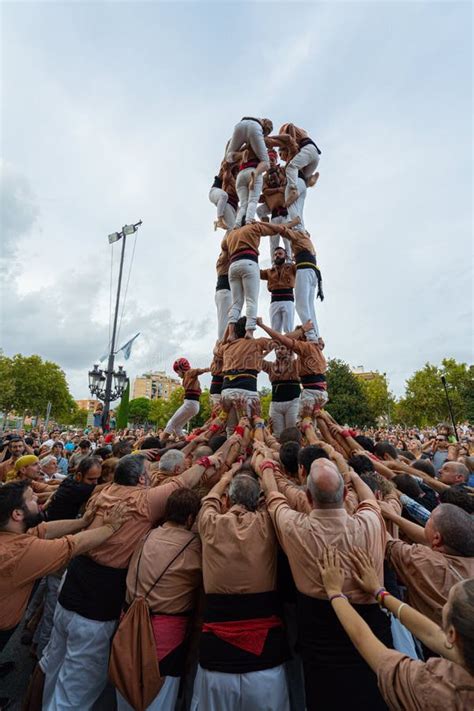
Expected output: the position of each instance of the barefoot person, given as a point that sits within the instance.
(304, 161)
(223, 296)
(280, 283)
(192, 392)
(224, 196)
(286, 389)
(251, 131)
(272, 199)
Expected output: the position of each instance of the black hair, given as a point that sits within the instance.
(289, 457)
(181, 504)
(407, 485)
(382, 448)
(456, 527)
(103, 452)
(84, 443)
(87, 463)
(122, 448)
(424, 465)
(458, 496)
(129, 470)
(11, 498)
(361, 464)
(29, 441)
(216, 441)
(460, 616)
(307, 455)
(152, 443)
(366, 442)
(240, 327)
(290, 434)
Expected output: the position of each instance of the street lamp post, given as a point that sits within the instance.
(109, 385)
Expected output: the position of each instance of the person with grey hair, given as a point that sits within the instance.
(243, 646)
(326, 652)
(49, 468)
(442, 553)
(171, 464)
(453, 473)
(91, 599)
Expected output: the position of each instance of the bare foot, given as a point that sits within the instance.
(292, 196)
(248, 334)
(312, 180)
(220, 222)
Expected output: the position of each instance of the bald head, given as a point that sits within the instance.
(326, 485)
(454, 473)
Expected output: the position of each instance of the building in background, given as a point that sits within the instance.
(87, 404)
(154, 385)
(359, 371)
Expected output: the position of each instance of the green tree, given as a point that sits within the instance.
(424, 402)
(78, 418)
(122, 412)
(7, 384)
(379, 398)
(35, 383)
(204, 411)
(139, 410)
(161, 410)
(265, 400)
(347, 399)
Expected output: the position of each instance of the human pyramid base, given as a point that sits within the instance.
(251, 182)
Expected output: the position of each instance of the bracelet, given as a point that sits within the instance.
(259, 425)
(215, 428)
(204, 462)
(239, 430)
(381, 597)
(398, 613)
(305, 427)
(341, 595)
(268, 464)
(380, 590)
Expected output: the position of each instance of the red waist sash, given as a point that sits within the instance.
(249, 635)
(169, 632)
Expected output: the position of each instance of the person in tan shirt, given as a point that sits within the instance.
(167, 571)
(280, 283)
(15, 449)
(244, 275)
(286, 389)
(192, 392)
(27, 468)
(223, 195)
(31, 549)
(242, 647)
(326, 653)
(93, 593)
(442, 554)
(223, 296)
(272, 199)
(443, 682)
(304, 161)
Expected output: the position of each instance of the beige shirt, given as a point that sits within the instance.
(435, 685)
(175, 592)
(429, 575)
(239, 549)
(285, 369)
(245, 353)
(24, 558)
(279, 277)
(311, 359)
(300, 241)
(223, 260)
(304, 538)
(248, 236)
(146, 507)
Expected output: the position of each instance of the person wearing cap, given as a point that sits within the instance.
(273, 207)
(280, 283)
(192, 392)
(27, 468)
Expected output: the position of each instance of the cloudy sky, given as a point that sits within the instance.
(119, 111)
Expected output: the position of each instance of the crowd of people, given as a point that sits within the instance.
(289, 564)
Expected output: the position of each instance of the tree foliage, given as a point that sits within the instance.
(348, 402)
(139, 410)
(122, 412)
(379, 398)
(27, 384)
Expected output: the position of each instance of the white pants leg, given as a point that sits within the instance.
(219, 197)
(275, 239)
(263, 211)
(75, 661)
(242, 187)
(282, 316)
(229, 216)
(305, 294)
(296, 208)
(165, 700)
(253, 196)
(228, 398)
(244, 279)
(312, 398)
(223, 301)
(251, 132)
(284, 414)
(265, 690)
(306, 160)
(183, 414)
(215, 398)
(276, 316)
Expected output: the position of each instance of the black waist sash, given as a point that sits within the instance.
(245, 253)
(217, 182)
(305, 260)
(308, 142)
(216, 385)
(233, 201)
(251, 118)
(192, 395)
(243, 379)
(282, 295)
(218, 655)
(314, 381)
(92, 590)
(223, 282)
(285, 390)
(279, 212)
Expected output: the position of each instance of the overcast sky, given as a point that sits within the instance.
(114, 112)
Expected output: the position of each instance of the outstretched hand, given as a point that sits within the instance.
(331, 571)
(366, 576)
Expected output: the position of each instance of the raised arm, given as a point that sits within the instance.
(414, 532)
(275, 335)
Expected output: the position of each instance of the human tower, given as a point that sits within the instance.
(251, 184)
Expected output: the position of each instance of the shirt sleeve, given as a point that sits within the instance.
(295, 497)
(281, 514)
(398, 554)
(210, 509)
(400, 680)
(266, 366)
(264, 274)
(158, 496)
(43, 557)
(416, 510)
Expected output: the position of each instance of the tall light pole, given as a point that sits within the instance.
(100, 383)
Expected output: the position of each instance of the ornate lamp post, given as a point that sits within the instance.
(108, 385)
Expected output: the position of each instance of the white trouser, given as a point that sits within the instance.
(265, 690)
(296, 208)
(306, 160)
(275, 239)
(216, 398)
(248, 199)
(283, 415)
(75, 661)
(244, 279)
(316, 399)
(43, 631)
(228, 399)
(223, 301)
(248, 132)
(282, 316)
(305, 294)
(183, 414)
(219, 198)
(165, 700)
